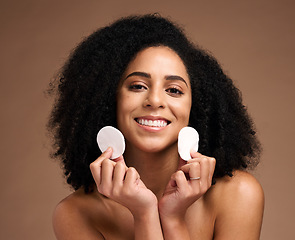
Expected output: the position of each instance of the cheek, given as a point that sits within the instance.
(187, 112)
(188, 107)
(182, 109)
(125, 106)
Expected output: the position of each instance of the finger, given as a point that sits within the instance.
(95, 167)
(119, 174)
(120, 159)
(212, 167)
(105, 155)
(207, 160)
(195, 154)
(180, 180)
(193, 171)
(107, 169)
(131, 177)
(205, 174)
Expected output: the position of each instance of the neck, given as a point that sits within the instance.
(155, 169)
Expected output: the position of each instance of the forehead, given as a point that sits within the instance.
(159, 59)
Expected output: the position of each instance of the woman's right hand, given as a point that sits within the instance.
(122, 184)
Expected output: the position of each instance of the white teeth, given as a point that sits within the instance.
(151, 123)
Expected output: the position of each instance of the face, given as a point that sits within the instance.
(154, 100)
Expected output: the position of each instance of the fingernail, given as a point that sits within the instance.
(108, 149)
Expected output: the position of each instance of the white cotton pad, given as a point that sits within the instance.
(111, 137)
(188, 139)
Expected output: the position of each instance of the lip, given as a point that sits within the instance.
(152, 118)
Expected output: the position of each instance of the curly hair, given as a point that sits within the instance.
(86, 92)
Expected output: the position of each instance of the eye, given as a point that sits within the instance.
(137, 87)
(174, 91)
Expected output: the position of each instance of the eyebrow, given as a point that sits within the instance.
(140, 74)
(147, 75)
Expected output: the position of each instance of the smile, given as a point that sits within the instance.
(151, 123)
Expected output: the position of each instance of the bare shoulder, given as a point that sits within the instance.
(239, 204)
(72, 217)
(241, 185)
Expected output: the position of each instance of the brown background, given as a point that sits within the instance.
(253, 40)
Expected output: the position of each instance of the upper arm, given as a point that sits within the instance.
(69, 223)
(240, 210)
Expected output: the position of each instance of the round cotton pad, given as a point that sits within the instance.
(188, 138)
(111, 137)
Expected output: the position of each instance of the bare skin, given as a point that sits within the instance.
(231, 209)
(152, 195)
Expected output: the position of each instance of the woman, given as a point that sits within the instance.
(144, 77)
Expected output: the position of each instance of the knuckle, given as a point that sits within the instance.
(203, 189)
(195, 165)
(100, 189)
(104, 188)
(126, 191)
(179, 174)
(93, 165)
(105, 162)
(131, 171)
(173, 176)
(105, 191)
(119, 165)
(209, 183)
(116, 192)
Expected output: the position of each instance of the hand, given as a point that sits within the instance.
(182, 191)
(122, 184)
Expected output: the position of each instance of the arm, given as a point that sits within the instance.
(123, 185)
(185, 187)
(240, 209)
(147, 226)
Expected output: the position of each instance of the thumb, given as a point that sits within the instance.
(195, 154)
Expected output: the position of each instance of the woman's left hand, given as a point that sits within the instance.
(186, 186)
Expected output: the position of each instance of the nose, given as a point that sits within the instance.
(155, 99)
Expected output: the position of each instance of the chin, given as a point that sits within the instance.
(155, 148)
